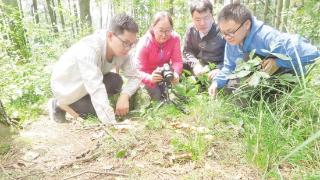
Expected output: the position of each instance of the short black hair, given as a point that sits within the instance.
(122, 22)
(237, 12)
(201, 6)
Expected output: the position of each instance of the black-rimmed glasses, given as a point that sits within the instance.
(232, 34)
(126, 44)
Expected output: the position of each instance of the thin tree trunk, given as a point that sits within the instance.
(61, 14)
(255, 7)
(266, 10)
(52, 15)
(75, 10)
(3, 115)
(85, 15)
(171, 7)
(35, 11)
(279, 12)
(16, 30)
(70, 10)
(274, 17)
(285, 16)
(21, 10)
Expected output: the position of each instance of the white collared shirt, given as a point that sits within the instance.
(80, 71)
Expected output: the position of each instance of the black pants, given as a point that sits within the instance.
(113, 83)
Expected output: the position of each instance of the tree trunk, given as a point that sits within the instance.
(85, 16)
(35, 11)
(266, 10)
(255, 7)
(285, 16)
(3, 115)
(16, 31)
(61, 14)
(274, 16)
(52, 15)
(75, 10)
(171, 7)
(279, 12)
(21, 10)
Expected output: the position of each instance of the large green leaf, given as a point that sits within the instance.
(242, 74)
(254, 79)
(264, 75)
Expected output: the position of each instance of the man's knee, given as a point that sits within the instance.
(113, 83)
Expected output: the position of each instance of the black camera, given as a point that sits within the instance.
(166, 73)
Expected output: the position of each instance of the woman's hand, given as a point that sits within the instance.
(156, 76)
(175, 79)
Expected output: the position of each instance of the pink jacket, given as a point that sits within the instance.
(150, 55)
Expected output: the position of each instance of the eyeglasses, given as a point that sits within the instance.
(166, 32)
(125, 44)
(232, 34)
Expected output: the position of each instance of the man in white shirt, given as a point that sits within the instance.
(81, 80)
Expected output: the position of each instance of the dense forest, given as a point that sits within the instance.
(278, 139)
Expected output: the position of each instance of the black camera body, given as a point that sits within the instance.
(166, 73)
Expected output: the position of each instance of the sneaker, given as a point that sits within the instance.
(55, 113)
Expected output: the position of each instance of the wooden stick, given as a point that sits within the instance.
(97, 172)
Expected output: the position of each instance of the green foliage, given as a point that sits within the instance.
(196, 144)
(309, 14)
(4, 148)
(121, 153)
(13, 32)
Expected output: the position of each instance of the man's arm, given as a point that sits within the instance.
(93, 82)
(188, 51)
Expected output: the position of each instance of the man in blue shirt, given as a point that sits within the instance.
(245, 33)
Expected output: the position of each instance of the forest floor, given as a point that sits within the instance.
(48, 150)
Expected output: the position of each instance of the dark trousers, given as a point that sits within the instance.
(113, 83)
(156, 92)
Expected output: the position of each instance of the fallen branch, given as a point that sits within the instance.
(68, 164)
(97, 172)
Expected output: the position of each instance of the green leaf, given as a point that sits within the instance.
(232, 76)
(264, 75)
(254, 80)
(288, 77)
(121, 153)
(242, 74)
(252, 53)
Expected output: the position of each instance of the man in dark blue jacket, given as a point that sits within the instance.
(245, 33)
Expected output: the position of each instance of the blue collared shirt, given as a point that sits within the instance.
(262, 37)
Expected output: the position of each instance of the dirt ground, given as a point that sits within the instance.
(47, 150)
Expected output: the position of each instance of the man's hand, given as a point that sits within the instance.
(122, 107)
(198, 69)
(213, 73)
(175, 78)
(269, 66)
(156, 76)
(213, 89)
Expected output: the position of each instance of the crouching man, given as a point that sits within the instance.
(244, 33)
(82, 80)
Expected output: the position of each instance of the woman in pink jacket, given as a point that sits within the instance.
(158, 46)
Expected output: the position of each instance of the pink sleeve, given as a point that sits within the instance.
(142, 60)
(176, 59)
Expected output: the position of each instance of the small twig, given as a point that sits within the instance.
(68, 164)
(110, 134)
(97, 172)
